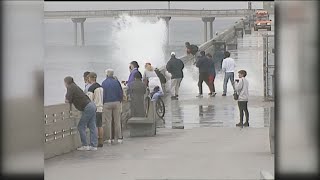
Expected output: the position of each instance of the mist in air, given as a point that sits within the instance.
(137, 39)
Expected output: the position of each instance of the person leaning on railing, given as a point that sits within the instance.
(81, 101)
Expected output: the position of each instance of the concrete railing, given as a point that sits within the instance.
(148, 12)
(60, 128)
(227, 36)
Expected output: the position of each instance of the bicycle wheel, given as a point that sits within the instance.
(160, 108)
(146, 105)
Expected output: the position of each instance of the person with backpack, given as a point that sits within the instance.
(162, 78)
(95, 93)
(242, 90)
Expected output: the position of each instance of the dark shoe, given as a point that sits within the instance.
(246, 124)
(100, 142)
(224, 95)
(174, 98)
(177, 96)
(239, 124)
(100, 145)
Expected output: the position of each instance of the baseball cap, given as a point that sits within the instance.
(173, 53)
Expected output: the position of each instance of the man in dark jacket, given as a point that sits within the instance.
(112, 98)
(175, 67)
(203, 64)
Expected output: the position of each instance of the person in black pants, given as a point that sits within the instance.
(203, 64)
(242, 89)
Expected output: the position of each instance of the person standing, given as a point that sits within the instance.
(86, 81)
(150, 77)
(95, 93)
(228, 66)
(212, 74)
(175, 68)
(134, 68)
(81, 101)
(242, 89)
(203, 65)
(112, 98)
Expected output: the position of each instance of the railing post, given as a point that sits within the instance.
(264, 68)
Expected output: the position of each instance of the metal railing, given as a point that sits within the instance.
(148, 12)
(268, 67)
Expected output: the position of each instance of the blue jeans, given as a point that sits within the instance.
(88, 118)
(227, 76)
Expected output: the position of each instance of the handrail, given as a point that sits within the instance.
(148, 12)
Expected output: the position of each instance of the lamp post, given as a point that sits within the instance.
(168, 4)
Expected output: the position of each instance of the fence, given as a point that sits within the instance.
(268, 67)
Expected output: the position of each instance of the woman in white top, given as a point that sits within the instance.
(151, 79)
(242, 89)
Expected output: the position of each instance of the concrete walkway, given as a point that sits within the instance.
(209, 146)
(197, 153)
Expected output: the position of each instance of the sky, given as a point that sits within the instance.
(108, 5)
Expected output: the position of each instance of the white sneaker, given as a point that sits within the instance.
(108, 141)
(199, 96)
(112, 141)
(120, 141)
(84, 148)
(93, 148)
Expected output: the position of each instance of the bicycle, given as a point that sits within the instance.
(160, 106)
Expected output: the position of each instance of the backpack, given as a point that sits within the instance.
(162, 78)
(194, 49)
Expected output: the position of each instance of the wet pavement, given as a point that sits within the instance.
(190, 112)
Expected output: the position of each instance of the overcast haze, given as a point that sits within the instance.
(80, 5)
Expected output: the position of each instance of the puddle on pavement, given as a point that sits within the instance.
(186, 116)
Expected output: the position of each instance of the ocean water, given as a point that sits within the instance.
(106, 47)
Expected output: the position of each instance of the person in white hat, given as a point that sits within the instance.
(175, 68)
